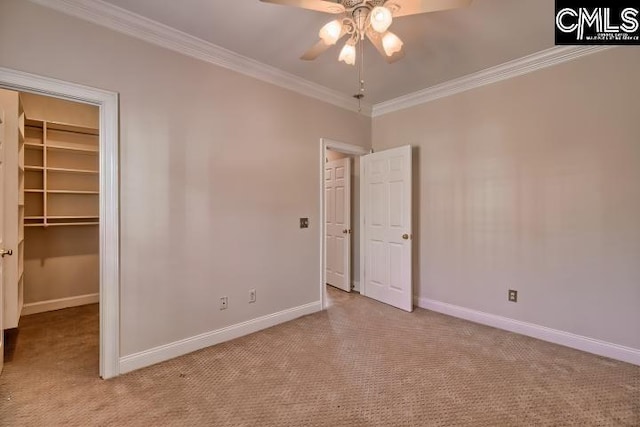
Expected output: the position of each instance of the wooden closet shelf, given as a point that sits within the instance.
(33, 190)
(33, 123)
(59, 126)
(62, 224)
(34, 168)
(67, 170)
(72, 192)
(72, 216)
(90, 150)
(58, 147)
(66, 127)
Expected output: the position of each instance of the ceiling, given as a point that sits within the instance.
(439, 46)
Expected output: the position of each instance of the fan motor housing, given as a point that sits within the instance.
(370, 4)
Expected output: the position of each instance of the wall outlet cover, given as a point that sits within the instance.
(513, 295)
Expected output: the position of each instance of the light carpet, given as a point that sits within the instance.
(359, 363)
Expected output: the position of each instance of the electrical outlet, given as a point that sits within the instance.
(224, 303)
(513, 295)
(252, 295)
(304, 222)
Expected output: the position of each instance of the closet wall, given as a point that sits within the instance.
(61, 235)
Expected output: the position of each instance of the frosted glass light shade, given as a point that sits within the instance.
(348, 54)
(381, 19)
(331, 32)
(391, 43)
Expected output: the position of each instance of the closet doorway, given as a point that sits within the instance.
(66, 206)
(51, 217)
(340, 213)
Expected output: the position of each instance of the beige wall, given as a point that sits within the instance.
(216, 169)
(60, 262)
(533, 184)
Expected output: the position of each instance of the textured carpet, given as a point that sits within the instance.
(360, 363)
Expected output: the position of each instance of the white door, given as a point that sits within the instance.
(337, 190)
(386, 210)
(1, 235)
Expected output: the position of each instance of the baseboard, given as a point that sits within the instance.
(59, 304)
(567, 339)
(178, 348)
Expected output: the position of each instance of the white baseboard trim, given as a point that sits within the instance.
(59, 304)
(567, 339)
(165, 352)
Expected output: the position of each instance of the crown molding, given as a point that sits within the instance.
(123, 21)
(518, 67)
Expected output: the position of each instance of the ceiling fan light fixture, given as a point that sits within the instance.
(331, 32)
(381, 19)
(391, 43)
(348, 54)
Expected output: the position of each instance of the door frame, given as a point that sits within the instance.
(107, 101)
(345, 148)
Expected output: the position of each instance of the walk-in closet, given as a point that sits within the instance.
(51, 205)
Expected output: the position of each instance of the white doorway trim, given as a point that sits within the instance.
(109, 199)
(345, 148)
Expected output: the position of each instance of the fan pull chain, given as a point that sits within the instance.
(360, 94)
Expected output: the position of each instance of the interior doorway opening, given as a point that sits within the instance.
(340, 216)
(51, 215)
(108, 199)
(384, 223)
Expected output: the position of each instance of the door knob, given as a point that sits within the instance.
(4, 252)
(405, 236)
(345, 231)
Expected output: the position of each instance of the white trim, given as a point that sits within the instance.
(178, 348)
(126, 22)
(109, 199)
(363, 191)
(579, 342)
(132, 24)
(342, 147)
(59, 304)
(524, 65)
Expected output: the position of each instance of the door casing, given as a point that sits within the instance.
(109, 227)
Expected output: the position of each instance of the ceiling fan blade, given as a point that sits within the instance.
(414, 7)
(315, 51)
(319, 5)
(319, 48)
(376, 39)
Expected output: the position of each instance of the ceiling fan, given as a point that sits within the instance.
(365, 18)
